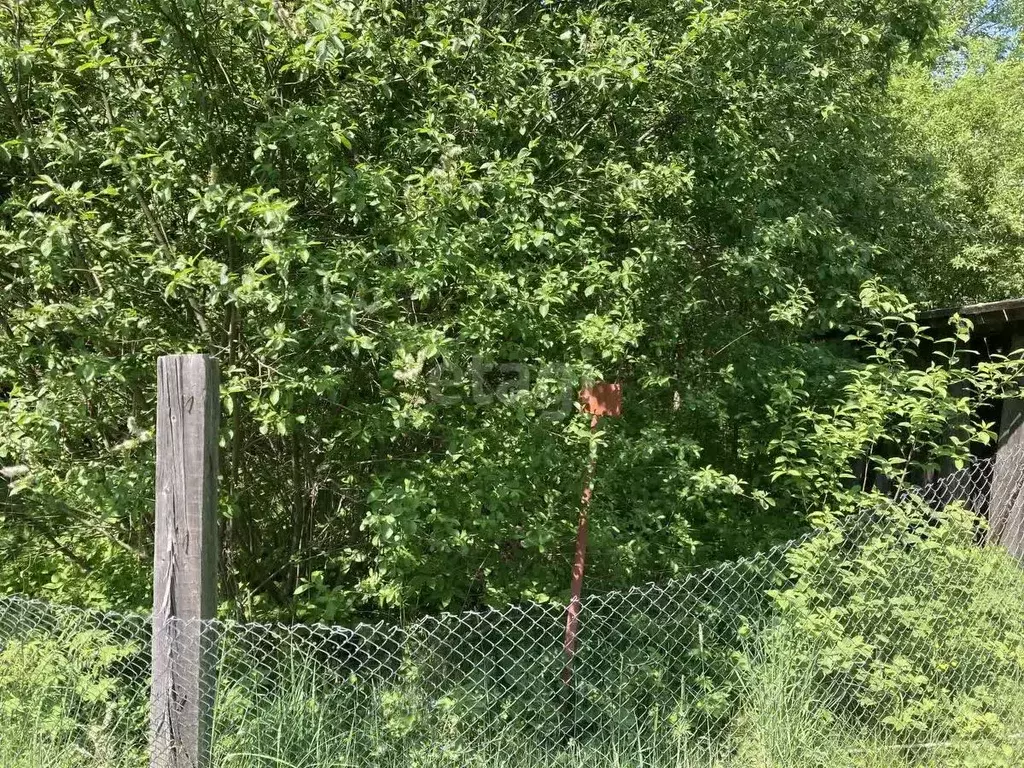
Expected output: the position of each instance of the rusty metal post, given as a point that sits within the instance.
(603, 399)
(572, 614)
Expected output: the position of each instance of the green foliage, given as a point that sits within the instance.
(63, 702)
(782, 724)
(913, 629)
(963, 120)
(369, 210)
(912, 408)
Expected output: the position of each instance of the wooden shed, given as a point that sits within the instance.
(998, 330)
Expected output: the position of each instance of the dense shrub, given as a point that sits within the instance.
(371, 211)
(910, 625)
(65, 700)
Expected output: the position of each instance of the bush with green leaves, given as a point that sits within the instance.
(782, 725)
(912, 628)
(962, 114)
(369, 210)
(66, 699)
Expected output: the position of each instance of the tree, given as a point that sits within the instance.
(963, 118)
(381, 216)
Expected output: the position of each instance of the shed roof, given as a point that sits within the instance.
(990, 316)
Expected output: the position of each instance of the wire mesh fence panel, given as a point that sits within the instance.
(892, 637)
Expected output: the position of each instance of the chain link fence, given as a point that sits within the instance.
(894, 637)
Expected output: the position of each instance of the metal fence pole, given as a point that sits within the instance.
(184, 560)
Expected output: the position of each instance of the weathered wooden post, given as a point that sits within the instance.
(184, 560)
(1006, 501)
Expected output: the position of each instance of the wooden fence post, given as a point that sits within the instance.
(184, 560)
(1006, 501)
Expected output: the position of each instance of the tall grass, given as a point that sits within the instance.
(783, 722)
